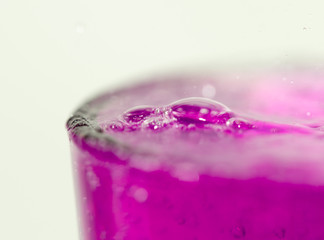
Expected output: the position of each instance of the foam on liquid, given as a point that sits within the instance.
(221, 142)
(202, 171)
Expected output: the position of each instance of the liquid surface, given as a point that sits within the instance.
(223, 130)
(210, 158)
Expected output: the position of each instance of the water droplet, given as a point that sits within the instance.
(80, 28)
(137, 114)
(200, 111)
(238, 232)
(208, 91)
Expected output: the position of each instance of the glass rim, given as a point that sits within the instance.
(84, 131)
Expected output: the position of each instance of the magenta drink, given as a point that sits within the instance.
(203, 157)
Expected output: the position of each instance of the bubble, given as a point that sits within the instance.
(137, 114)
(154, 127)
(204, 111)
(117, 126)
(239, 124)
(200, 111)
(238, 232)
(153, 124)
(140, 195)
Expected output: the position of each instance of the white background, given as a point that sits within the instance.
(55, 54)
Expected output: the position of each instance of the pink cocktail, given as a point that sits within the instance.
(203, 157)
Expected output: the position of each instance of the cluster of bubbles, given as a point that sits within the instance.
(186, 114)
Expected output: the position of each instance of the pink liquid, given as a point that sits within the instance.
(230, 160)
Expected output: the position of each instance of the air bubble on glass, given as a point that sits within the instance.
(140, 194)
